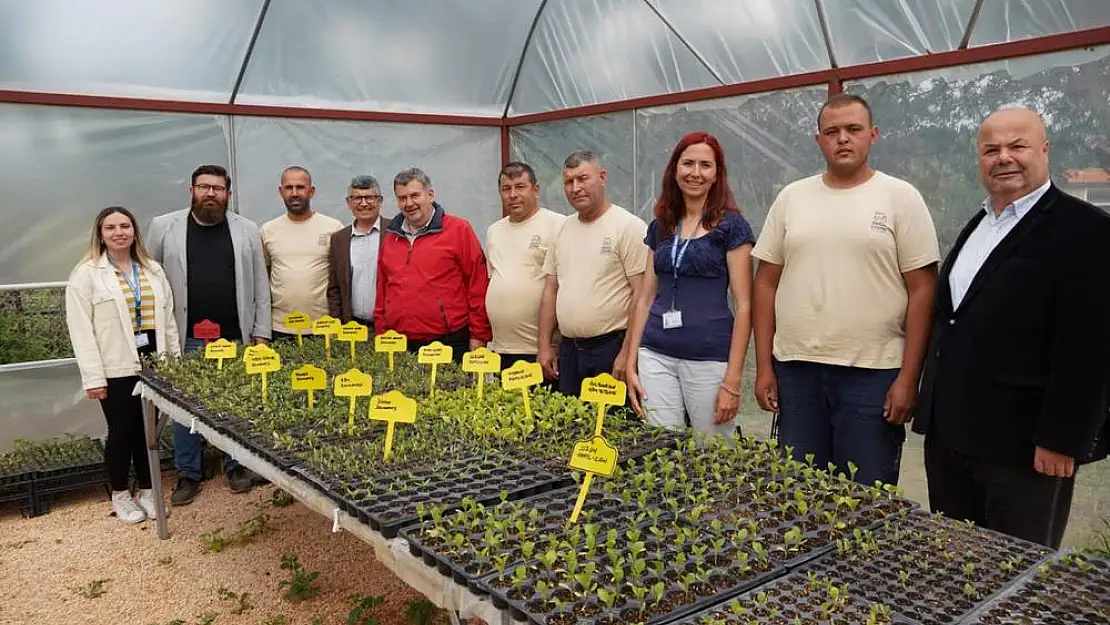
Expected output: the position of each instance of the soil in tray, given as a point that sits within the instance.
(797, 599)
(931, 569)
(1071, 589)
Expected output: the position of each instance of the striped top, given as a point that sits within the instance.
(146, 308)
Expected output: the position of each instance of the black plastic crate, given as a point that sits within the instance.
(1070, 588)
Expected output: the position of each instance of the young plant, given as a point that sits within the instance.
(301, 584)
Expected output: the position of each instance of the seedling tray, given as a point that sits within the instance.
(788, 598)
(550, 513)
(388, 511)
(1070, 588)
(919, 567)
(19, 488)
(725, 581)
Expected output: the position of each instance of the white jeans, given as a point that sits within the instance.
(676, 388)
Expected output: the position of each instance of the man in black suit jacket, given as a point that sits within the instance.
(1013, 393)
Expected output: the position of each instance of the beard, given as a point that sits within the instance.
(302, 208)
(209, 210)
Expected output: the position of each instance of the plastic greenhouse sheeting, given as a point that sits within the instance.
(463, 58)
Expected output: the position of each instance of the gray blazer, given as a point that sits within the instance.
(166, 243)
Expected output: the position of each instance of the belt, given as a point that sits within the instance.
(595, 341)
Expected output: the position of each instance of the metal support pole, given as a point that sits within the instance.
(153, 428)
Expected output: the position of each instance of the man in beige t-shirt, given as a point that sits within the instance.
(843, 303)
(296, 251)
(594, 275)
(516, 247)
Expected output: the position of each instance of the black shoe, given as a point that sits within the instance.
(239, 479)
(258, 480)
(185, 491)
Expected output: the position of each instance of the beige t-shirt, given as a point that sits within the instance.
(297, 256)
(515, 254)
(841, 298)
(593, 263)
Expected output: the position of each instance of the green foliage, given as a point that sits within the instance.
(301, 584)
(1100, 542)
(215, 541)
(420, 612)
(360, 614)
(33, 326)
(241, 601)
(50, 454)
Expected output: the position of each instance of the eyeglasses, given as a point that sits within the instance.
(364, 199)
(210, 188)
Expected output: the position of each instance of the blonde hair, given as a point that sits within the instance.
(96, 242)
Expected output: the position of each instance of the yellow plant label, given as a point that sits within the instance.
(390, 341)
(297, 320)
(261, 359)
(353, 383)
(604, 389)
(595, 456)
(220, 349)
(393, 407)
(326, 326)
(435, 353)
(354, 331)
(521, 375)
(309, 378)
(482, 360)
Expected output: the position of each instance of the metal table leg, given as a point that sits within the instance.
(153, 428)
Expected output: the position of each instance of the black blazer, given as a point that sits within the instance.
(1025, 360)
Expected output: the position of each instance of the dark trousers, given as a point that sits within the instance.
(1013, 500)
(836, 414)
(508, 360)
(126, 442)
(459, 341)
(585, 358)
(285, 336)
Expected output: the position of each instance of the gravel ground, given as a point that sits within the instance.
(46, 563)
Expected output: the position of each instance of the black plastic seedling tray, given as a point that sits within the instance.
(19, 487)
(788, 599)
(1072, 589)
(935, 596)
(553, 510)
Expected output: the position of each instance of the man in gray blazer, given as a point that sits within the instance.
(213, 260)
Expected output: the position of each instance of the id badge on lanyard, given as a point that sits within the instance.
(141, 339)
(673, 318)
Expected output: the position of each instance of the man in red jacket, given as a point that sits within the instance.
(432, 274)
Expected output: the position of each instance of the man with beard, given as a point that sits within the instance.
(296, 251)
(1013, 395)
(843, 299)
(213, 260)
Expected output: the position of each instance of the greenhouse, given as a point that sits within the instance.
(470, 506)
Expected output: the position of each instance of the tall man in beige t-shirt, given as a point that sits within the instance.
(516, 247)
(594, 277)
(843, 303)
(296, 246)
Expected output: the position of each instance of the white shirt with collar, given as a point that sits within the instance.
(364, 269)
(986, 236)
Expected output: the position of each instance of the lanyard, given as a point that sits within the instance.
(136, 291)
(676, 261)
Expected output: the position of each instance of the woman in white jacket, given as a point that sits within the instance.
(118, 307)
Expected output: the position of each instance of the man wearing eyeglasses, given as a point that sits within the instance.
(213, 260)
(353, 258)
(296, 246)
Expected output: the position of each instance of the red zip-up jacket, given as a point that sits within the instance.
(435, 285)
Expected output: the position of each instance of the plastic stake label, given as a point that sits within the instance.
(300, 322)
(390, 342)
(219, 350)
(522, 375)
(261, 359)
(435, 354)
(603, 390)
(353, 384)
(354, 332)
(207, 330)
(326, 327)
(335, 520)
(393, 408)
(482, 361)
(595, 457)
(309, 378)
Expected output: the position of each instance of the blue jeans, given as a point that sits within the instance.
(836, 414)
(188, 449)
(581, 359)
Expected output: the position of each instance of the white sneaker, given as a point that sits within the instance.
(145, 500)
(125, 508)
